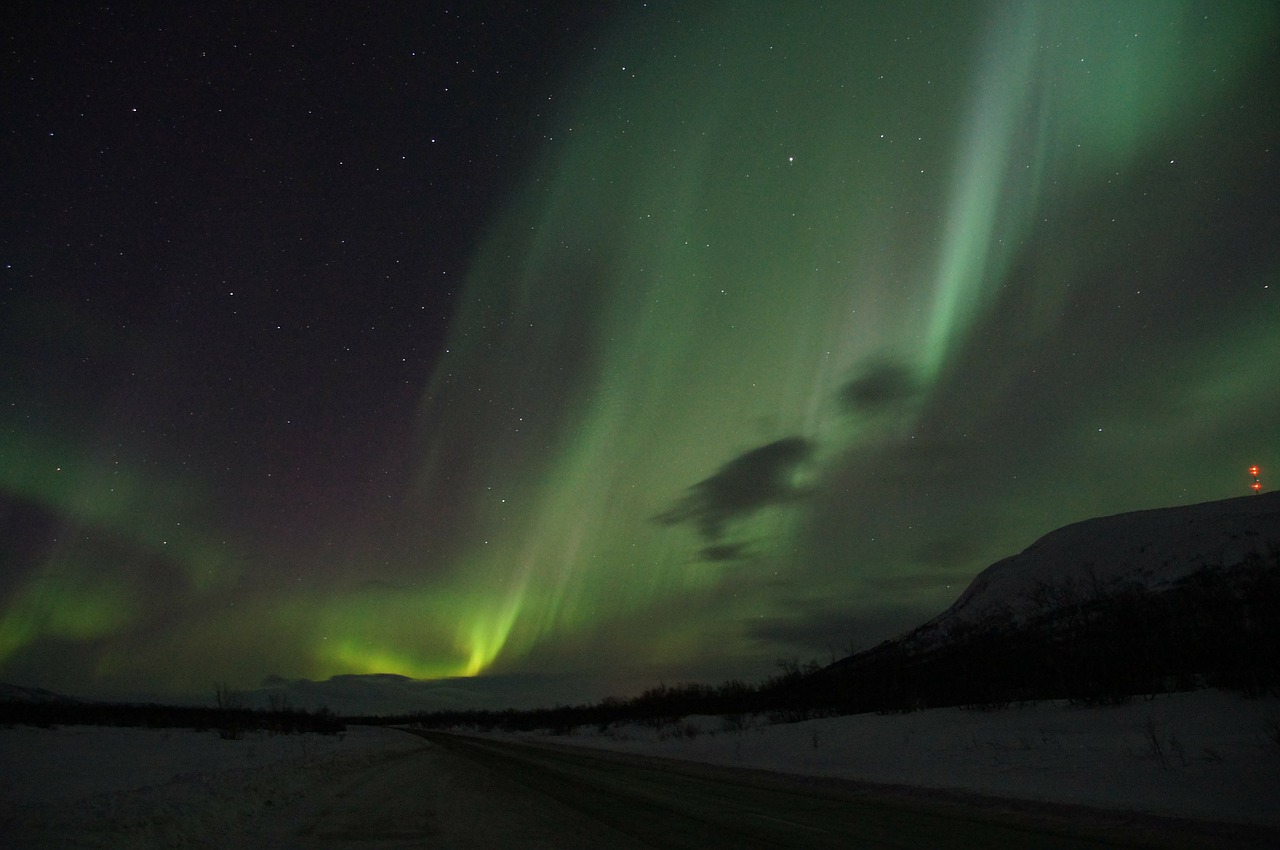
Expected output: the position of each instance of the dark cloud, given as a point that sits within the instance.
(943, 550)
(906, 585)
(29, 533)
(746, 484)
(724, 552)
(811, 632)
(816, 629)
(880, 384)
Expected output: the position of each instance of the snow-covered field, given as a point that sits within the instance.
(88, 786)
(1205, 755)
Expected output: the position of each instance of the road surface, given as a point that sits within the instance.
(466, 792)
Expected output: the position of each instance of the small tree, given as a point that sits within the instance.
(231, 705)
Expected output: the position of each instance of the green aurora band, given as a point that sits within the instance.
(730, 366)
(736, 215)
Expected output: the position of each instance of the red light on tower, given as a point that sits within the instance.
(1256, 486)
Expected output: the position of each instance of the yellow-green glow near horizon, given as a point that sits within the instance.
(800, 315)
(420, 633)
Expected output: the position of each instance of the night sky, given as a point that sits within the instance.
(607, 342)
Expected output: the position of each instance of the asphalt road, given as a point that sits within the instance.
(434, 798)
(470, 792)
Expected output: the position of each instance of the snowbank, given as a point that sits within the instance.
(1206, 755)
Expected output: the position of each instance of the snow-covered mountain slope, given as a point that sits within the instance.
(1152, 548)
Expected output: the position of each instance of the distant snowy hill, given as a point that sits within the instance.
(18, 693)
(391, 694)
(1152, 548)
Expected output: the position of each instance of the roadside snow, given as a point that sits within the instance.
(86, 786)
(1206, 755)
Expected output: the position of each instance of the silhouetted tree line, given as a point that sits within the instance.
(1085, 641)
(231, 722)
(659, 706)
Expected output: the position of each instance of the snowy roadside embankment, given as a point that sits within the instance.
(88, 786)
(1206, 755)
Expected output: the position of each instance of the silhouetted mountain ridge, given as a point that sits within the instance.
(1096, 611)
(1150, 548)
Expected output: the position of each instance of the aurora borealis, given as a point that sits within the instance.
(726, 332)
